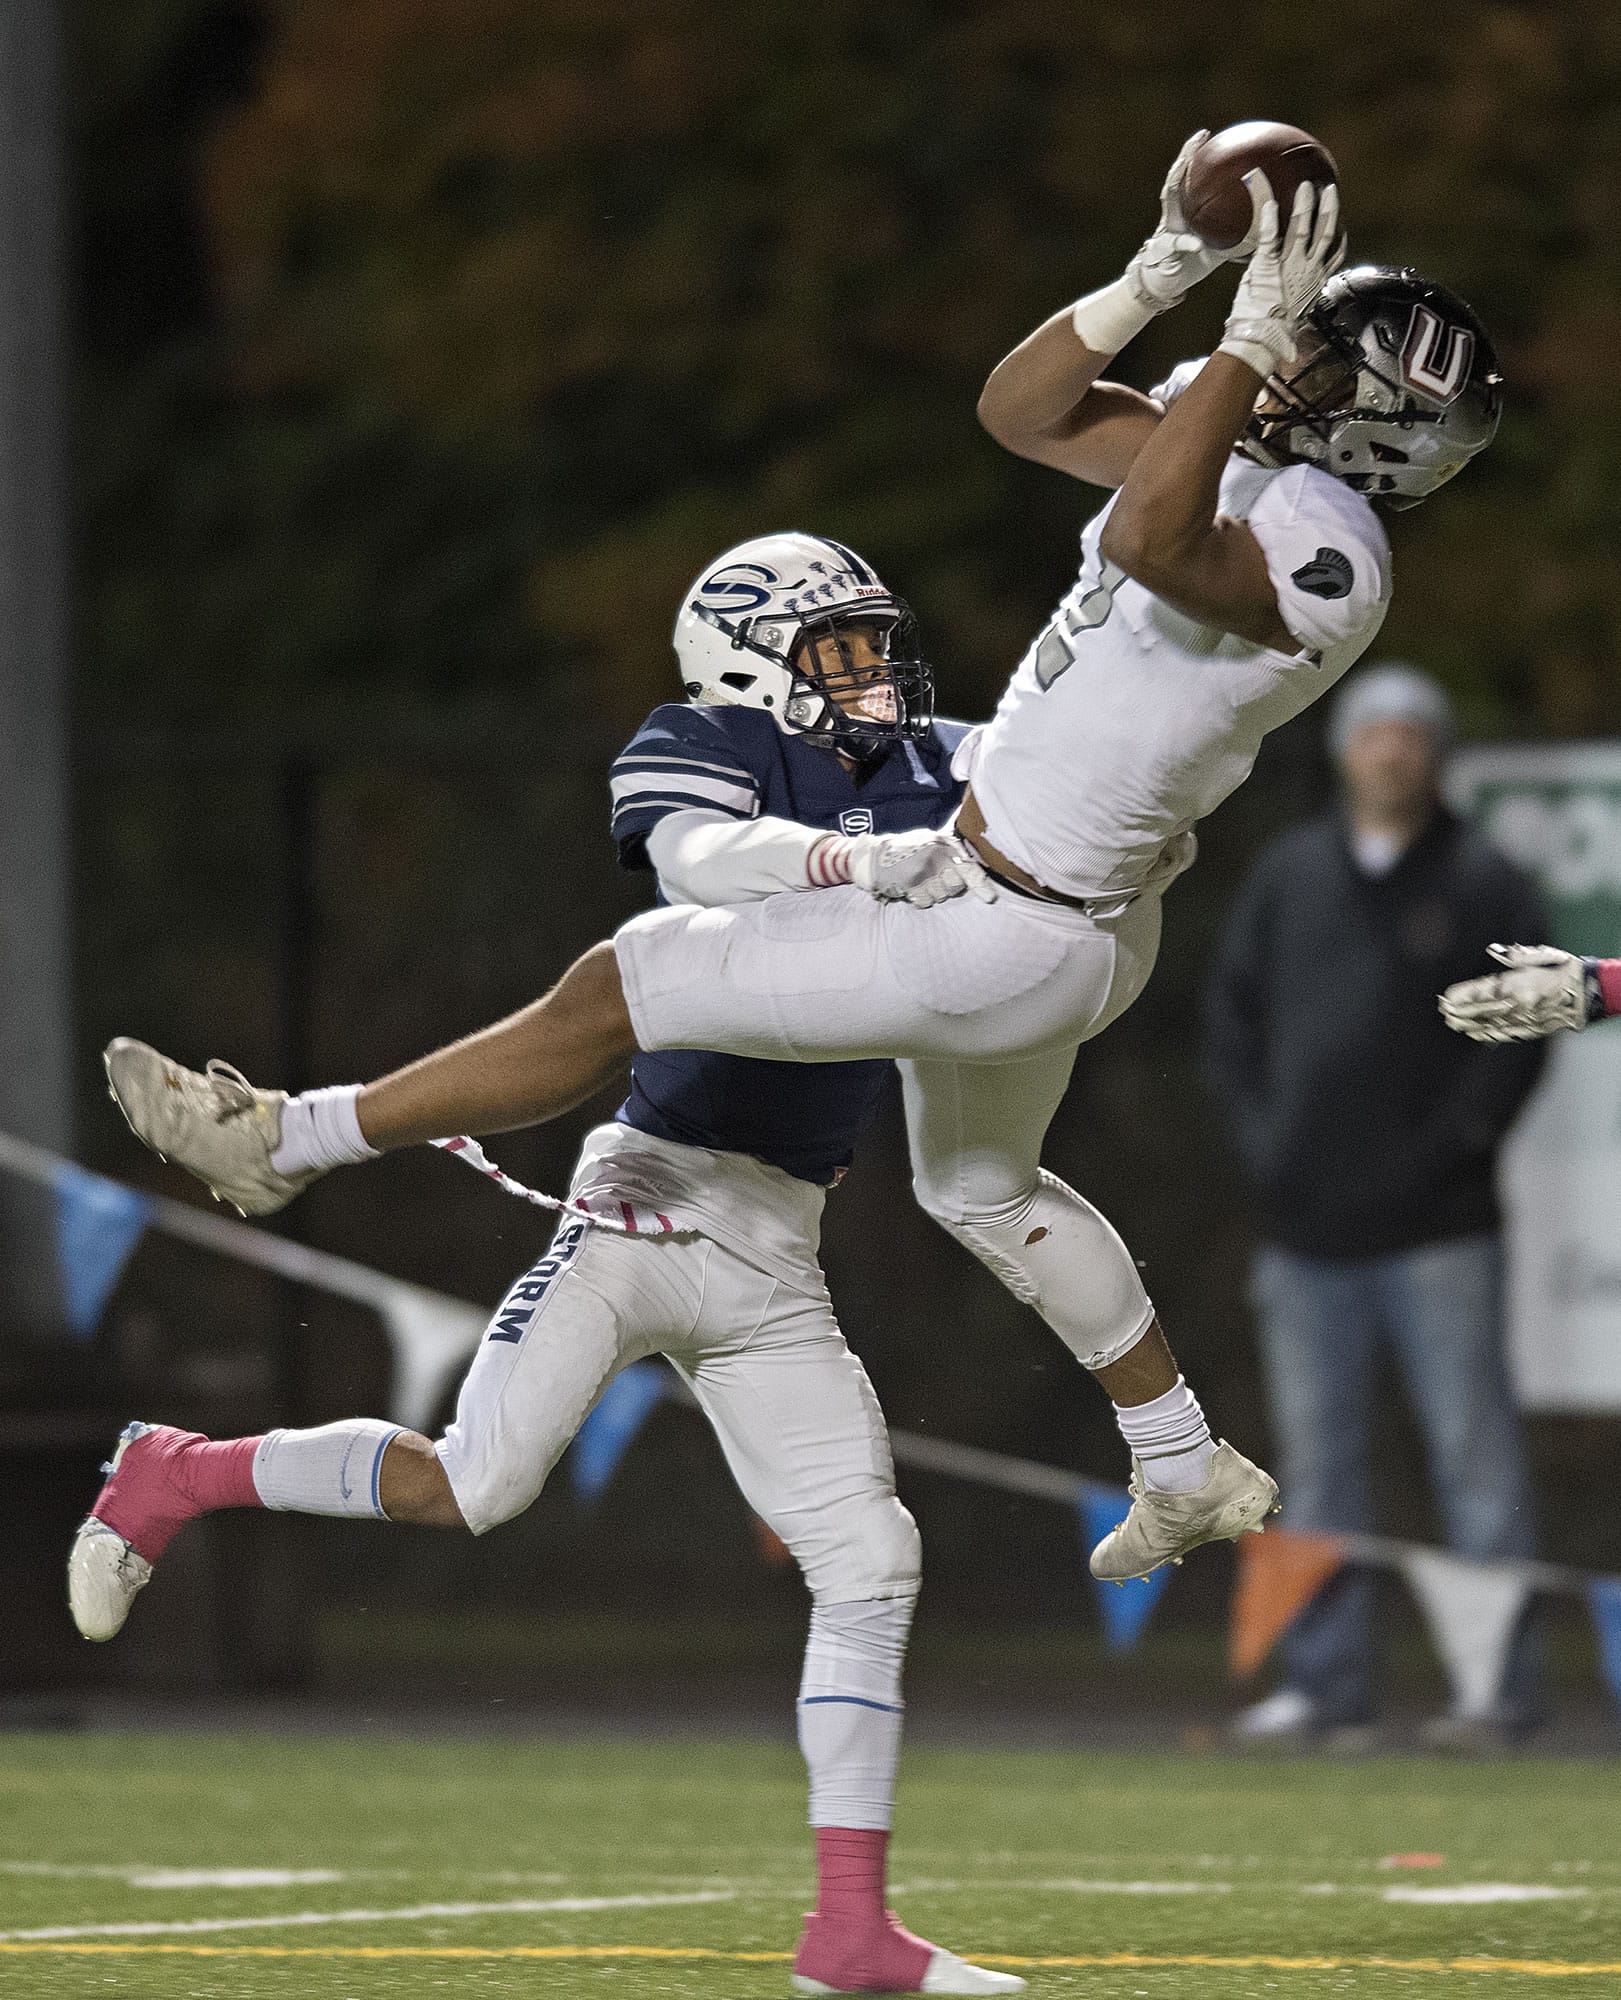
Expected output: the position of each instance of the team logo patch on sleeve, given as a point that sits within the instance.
(855, 819)
(1328, 574)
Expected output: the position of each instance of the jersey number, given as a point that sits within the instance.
(1055, 654)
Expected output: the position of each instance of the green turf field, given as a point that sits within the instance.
(485, 1867)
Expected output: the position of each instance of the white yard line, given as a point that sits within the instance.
(719, 1890)
(1481, 1892)
(152, 1875)
(233, 1878)
(1067, 1886)
(415, 1913)
(159, 1875)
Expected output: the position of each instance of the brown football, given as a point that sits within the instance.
(1214, 198)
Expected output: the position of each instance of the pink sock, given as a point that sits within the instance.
(851, 1942)
(167, 1477)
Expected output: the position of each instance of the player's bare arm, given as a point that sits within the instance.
(1164, 530)
(1044, 401)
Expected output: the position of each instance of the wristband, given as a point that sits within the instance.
(828, 863)
(1107, 320)
(1243, 342)
(1602, 979)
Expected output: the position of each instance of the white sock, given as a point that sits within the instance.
(850, 1709)
(333, 1470)
(321, 1128)
(1169, 1439)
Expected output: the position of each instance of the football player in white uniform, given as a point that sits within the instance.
(1239, 570)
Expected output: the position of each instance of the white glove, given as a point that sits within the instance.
(923, 868)
(1286, 272)
(1164, 270)
(1542, 991)
(1175, 257)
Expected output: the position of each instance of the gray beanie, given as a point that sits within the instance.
(1393, 691)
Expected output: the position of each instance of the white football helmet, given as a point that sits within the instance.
(738, 641)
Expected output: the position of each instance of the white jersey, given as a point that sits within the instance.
(1126, 720)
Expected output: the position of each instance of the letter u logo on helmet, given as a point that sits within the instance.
(1436, 355)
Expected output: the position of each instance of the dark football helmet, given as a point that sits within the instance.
(1397, 387)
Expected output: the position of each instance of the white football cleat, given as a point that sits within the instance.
(104, 1574)
(1163, 1527)
(104, 1571)
(947, 1973)
(214, 1124)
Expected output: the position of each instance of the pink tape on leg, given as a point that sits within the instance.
(166, 1477)
(1609, 984)
(851, 1942)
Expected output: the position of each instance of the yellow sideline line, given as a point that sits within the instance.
(1544, 1968)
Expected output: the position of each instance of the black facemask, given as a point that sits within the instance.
(897, 695)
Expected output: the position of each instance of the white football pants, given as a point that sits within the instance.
(791, 1405)
(795, 1414)
(985, 1005)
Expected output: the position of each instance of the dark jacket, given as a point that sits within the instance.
(1365, 1124)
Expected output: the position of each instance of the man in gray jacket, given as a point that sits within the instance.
(1370, 1135)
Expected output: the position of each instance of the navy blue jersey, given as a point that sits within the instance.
(802, 1117)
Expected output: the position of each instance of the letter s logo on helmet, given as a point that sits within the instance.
(768, 625)
(738, 588)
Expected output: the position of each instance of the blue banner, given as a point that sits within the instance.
(98, 1224)
(1124, 1607)
(607, 1434)
(1604, 1599)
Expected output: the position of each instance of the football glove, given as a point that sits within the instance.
(1541, 991)
(922, 868)
(1286, 271)
(1175, 257)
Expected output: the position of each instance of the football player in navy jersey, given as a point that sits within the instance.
(710, 1180)
(793, 648)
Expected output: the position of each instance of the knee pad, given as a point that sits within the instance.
(866, 1548)
(1054, 1251)
(488, 1489)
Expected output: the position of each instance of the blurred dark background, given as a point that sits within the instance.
(420, 352)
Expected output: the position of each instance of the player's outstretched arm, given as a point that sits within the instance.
(1164, 529)
(711, 859)
(1541, 991)
(1044, 400)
